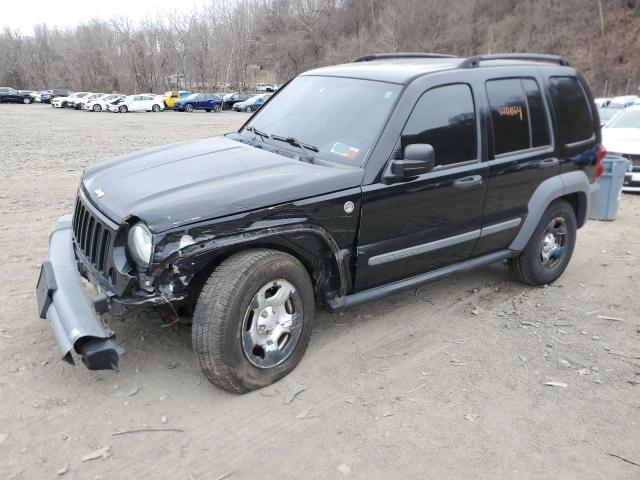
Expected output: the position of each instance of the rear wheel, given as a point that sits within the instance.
(97, 108)
(123, 109)
(253, 320)
(27, 100)
(248, 109)
(550, 247)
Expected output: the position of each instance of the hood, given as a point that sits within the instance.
(621, 140)
(174, 185)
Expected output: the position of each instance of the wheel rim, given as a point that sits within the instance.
(248, 109)
(188, 108)
(123, 109)
(272, 324)
(25, 100)
(96, 108)
(553, 243)
(217, 108)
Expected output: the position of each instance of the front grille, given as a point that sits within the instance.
(634, 159)
(92, 236)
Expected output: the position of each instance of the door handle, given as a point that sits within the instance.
(548, 163)
(468, 182)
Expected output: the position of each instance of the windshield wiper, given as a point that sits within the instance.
(295, 143)
(259, 133)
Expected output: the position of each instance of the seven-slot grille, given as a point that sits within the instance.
(92, 236)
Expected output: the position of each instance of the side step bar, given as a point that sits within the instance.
(347, 301)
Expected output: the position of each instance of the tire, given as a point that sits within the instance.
(541, 263)
(123, 109)
(63, 105)
(226, 319)
(207, 110)
(217, 108)
(155, 108)
(77, 106)
(97, 108)
(188, 108)
(27, 100)
(248, 109)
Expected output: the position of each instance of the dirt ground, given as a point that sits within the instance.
(445, 381)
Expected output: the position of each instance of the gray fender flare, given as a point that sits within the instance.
(548, 191)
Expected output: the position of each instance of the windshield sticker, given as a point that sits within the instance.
(388, 95)
(345, 150)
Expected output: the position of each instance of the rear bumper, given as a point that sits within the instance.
(62, 301)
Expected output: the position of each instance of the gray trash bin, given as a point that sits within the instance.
(607, 200)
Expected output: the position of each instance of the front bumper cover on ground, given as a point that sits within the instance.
(62, 300)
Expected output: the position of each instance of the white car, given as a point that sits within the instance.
(621, 136)
(624, 101)
(62, 102)
(142, 102)
(79, 104)
(101, 103)
(267, 87)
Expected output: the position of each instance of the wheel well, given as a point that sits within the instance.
(578, 201)
(310, 250)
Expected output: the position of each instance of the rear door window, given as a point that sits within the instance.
(518, 115)
(445, 118)
(575, 121)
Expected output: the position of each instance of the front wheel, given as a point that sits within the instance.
(155, 108)
(26, 100)
(97, 108)
(253, 320)
(550, 247)
(123, 109)
(248, 109)
(188, 107)
(217, 108)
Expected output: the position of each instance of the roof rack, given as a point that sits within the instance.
(473, 62)
(383, 56)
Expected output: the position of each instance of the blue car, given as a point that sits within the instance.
(199, 101)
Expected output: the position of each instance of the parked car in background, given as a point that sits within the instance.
(78, 104)
(232, 98)
(623, 101)
(607, 113)
(199, 101)
(101, 103)
(170, 97)
(11, 95)
(266, 87)
(142, 102)
(253, 104)
(621, 136)
(45, 96)
(63, 102)
(30, 93)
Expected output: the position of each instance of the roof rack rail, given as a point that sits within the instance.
(473, 62)
(382, 56)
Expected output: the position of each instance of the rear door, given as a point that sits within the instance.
(521, 155)
(424, 223)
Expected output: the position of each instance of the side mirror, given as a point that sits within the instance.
(418, 158)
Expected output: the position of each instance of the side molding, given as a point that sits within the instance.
(548, 191)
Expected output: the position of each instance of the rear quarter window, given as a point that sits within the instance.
(575, 120)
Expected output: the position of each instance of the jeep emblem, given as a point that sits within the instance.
(99, 193)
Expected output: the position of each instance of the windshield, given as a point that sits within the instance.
(608, 113)
(190, 97)
(342, 117)
(626, 119)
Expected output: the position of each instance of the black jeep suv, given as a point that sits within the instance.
(400, 170)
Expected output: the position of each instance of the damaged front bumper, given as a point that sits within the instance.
(62, 300)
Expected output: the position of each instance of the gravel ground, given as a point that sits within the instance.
(445, 381)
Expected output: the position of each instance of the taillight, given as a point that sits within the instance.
(602, 152)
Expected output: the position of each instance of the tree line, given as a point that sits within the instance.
(245, 41)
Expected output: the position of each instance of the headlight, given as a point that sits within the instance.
(140, 244)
